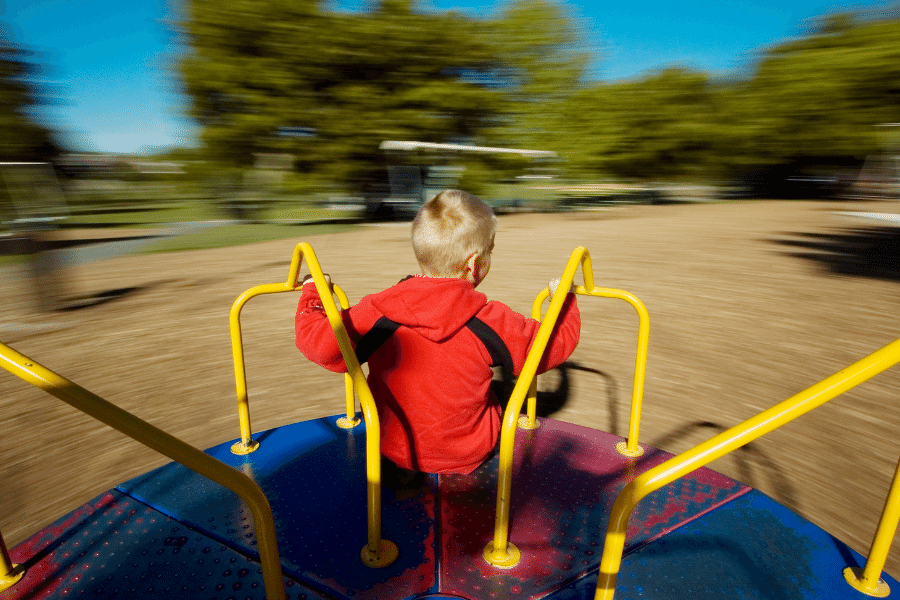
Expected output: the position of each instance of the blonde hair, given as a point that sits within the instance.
(449, 229)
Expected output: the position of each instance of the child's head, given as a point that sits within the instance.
(453, 236)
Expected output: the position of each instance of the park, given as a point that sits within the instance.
(749, 303)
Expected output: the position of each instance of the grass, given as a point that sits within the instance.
(244, 233)
(280, 220)
(223, 236)
(143, 217)
(150, 215)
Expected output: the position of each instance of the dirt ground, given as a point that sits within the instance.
(749, 304)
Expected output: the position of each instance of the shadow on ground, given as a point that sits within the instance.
(548, 402)
(861, 252)
(97, 299)
(753, 464)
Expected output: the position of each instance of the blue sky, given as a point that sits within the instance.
(107, 61)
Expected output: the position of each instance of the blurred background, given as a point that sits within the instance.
(157, 126)
(276, 112)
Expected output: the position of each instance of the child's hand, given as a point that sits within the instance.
(555, 284)
(308, 278)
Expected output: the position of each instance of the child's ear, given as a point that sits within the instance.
(471, 263)
(471, 268)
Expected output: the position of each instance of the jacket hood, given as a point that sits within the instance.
(435, 307)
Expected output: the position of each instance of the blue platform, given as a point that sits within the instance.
(750, 548)
(173, 534)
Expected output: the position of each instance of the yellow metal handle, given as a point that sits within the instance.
(164, 443)
(10, 573)
(630, 447)
(734, 438)
(868, 580)
(349, 421)
(500, 552)
(530, 421)
(247, 444)
(377, 552)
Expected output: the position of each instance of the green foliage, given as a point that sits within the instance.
(663, 126)
(22, 139)
(540, 67)
(818, 99)
(812, 105)
(325, 89)
(276, 76)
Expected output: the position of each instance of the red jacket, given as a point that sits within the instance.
(431, 379)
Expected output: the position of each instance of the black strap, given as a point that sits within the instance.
(500, 356)
(384, 328)
(373, 339)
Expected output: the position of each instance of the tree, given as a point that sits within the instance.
(811, 106)
(814, 103)
(663, 126)
(284, 76)
(541, 64)
(23, 139)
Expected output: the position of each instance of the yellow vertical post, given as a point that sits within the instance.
(377, 552)
(10, 573)
(640, 368)
(630, 447)
(717, 446)
(349, 421)
(868, 580)
(247, 445)
(164, 443)
(529, 421)
(500, 552)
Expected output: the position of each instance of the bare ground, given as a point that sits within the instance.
(749, 304)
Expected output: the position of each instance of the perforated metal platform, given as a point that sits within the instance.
(750, 548)
(117, 547)
(173, 534)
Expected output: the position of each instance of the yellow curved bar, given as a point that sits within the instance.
(349, 421)
(734, 438)
(868, 580)
(247, 444)
(10, 573)
(377, 552)
(166, 444)
(500, 552)
(630, 447)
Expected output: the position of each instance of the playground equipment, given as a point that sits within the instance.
(297, 529)
(32, 204)
(419, 170)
